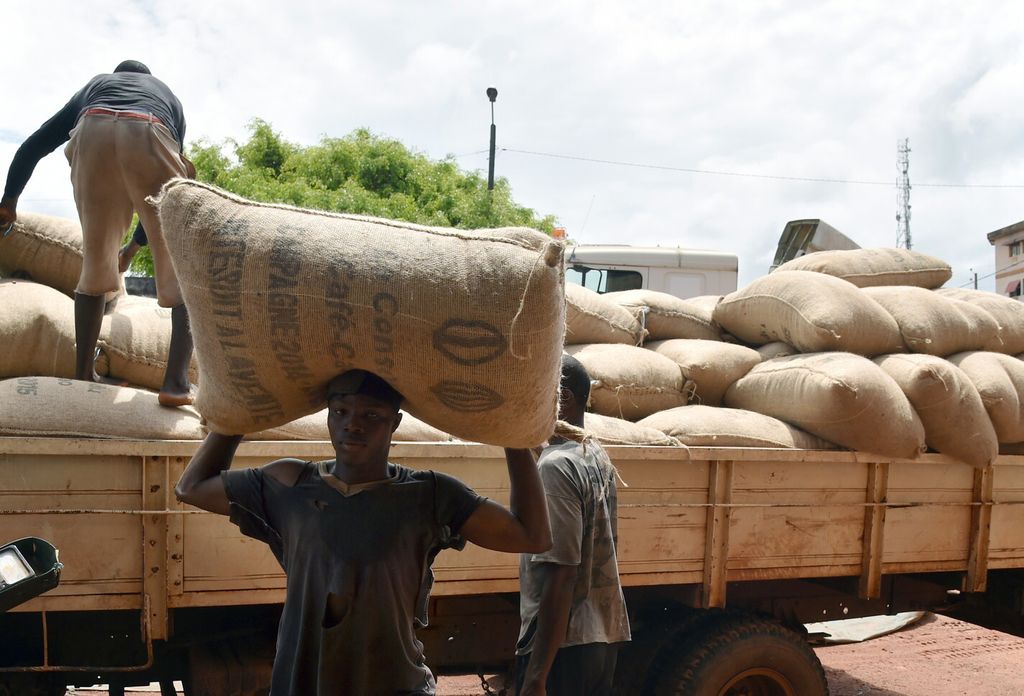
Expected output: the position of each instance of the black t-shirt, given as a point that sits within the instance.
(369, 555)
(124, 91)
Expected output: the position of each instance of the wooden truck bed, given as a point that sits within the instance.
(702, 516)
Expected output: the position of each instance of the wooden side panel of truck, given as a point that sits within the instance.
(704, 527)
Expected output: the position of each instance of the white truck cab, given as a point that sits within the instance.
(677, 271)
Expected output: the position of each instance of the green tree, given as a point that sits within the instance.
(360, 173)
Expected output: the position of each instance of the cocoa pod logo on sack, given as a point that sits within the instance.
(469, 342)
(467, 396)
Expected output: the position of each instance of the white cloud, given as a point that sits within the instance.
(793, 88)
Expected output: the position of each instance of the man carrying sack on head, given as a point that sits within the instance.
(356, 536)
(126, 132)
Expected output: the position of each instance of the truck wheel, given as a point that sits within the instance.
(741, 656)
(633, 668)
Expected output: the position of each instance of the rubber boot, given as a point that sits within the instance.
(177, 391)
(88, 322)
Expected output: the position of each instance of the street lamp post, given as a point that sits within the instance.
(492, 94)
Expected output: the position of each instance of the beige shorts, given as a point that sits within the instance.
(116, 162)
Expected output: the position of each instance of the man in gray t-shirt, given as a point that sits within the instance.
(356, 537)
(571, 604)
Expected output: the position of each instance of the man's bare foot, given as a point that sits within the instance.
(173, 400)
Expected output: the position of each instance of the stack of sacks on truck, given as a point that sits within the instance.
(876, 361)
(659, 370)
(41, 260)
(856, 349)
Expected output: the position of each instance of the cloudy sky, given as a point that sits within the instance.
(774, 89)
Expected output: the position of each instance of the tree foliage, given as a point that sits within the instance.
(361, 173)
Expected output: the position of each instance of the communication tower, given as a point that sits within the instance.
(903, 193)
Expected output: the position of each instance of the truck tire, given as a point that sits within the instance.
(633, 668)
(741, 656)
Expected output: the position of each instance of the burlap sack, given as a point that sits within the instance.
(615, 431)
(314, 427)
(869, 267)
(37, 330)
(630, 382)
(712, 366)
(46, 249)
(57, 407)
(590, 318)
(1008, 313)
(812, 312)
(1000, 381)
(951, 410)
(776, 349)
(467, 325)
(841, 397)
(707, 426)
(135, 339)
(934, 324)
(666, 316)
(705, 303)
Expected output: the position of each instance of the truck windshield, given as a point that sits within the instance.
(604, 279)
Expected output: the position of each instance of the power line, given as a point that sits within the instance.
(995, 272)
(747, 175)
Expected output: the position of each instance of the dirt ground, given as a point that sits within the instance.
(934, 657)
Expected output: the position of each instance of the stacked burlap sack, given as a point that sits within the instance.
(857, 349)
(41, 260)
(37, 328)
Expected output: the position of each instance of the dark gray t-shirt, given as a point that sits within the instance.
(369, 554)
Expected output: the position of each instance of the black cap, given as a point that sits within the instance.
(363, 382)
(132, 66)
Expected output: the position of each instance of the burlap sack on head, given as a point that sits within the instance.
(841, 397)
(136, 338)
(616, 431)
(776, 349)
(590, 318)
(666, 316)
(314, 427)
(934, 324)
(869, 267)
(467, 325)
(57, 407)
(1000, 381)
(712, 366)
(951, 410)
(630, 382)
(1008, 313)
(812, 312)
(708, 426)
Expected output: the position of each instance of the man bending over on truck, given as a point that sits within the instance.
(125, 132)
(356, 536)
(571, 604)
